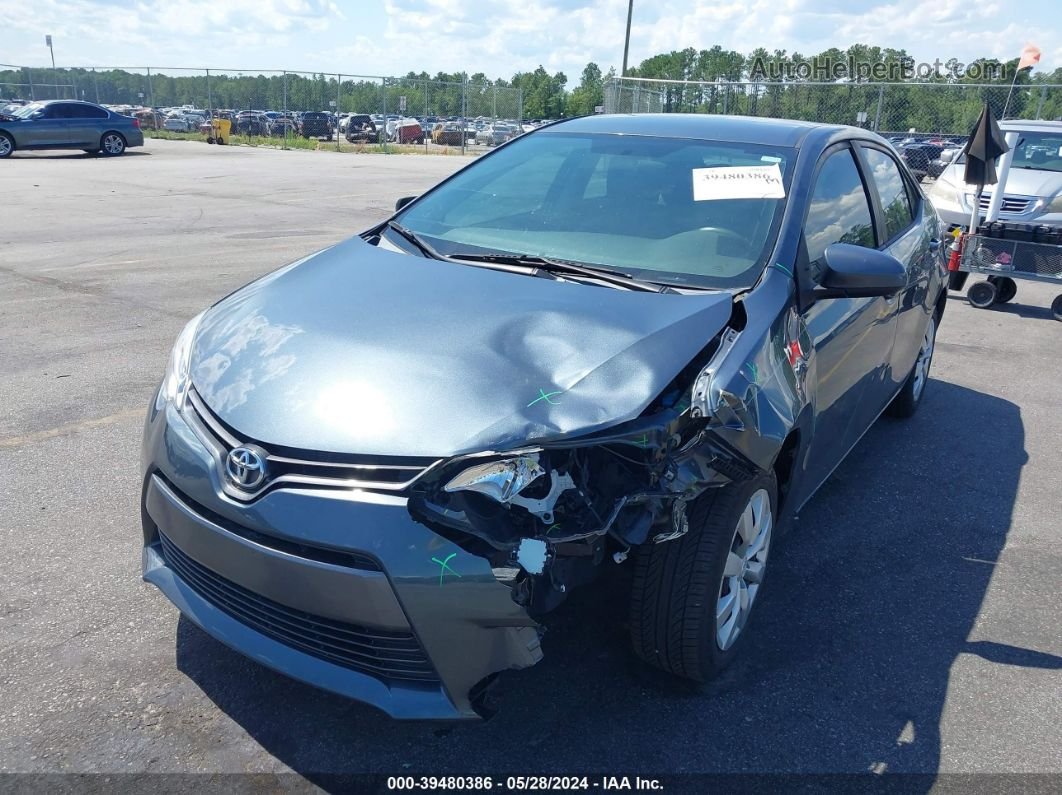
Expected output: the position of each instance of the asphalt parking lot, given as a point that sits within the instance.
(911, 621)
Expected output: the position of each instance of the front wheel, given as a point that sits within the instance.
(112, 144)
(982, 294)
(692, 597)
(7, 145)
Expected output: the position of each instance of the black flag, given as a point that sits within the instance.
(986, 143)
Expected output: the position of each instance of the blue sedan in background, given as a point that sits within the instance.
(66, 124)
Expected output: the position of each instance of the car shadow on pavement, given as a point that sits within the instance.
(38, 154)
(870, 599)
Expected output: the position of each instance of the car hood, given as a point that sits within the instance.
(1032, 182)
(1020, 182)
(361, 350)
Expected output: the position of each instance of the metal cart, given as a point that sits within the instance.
(1003, 261)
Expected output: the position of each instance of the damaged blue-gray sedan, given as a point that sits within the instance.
(637, 341)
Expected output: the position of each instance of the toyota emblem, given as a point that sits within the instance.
(246, 467)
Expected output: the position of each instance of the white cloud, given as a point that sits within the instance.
(500, 37)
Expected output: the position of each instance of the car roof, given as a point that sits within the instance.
(1031, 126)
(742, 129)
(67, 101)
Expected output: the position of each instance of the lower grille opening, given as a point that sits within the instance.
(384, 654)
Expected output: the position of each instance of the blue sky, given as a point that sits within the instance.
(499, 37)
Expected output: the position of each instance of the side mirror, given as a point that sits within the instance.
(856, 272)
(403, 202)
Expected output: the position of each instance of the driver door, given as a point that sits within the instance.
(44, 128)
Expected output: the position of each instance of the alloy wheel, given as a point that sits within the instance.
(5, 146)
(744, 569)
(113, 144)
(925, 359)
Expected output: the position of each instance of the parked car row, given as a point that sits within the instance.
(354, 127)
(928, 156)
(453, 131)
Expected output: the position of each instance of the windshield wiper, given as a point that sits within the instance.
(607, 275)
(542, 264)
(421, 245)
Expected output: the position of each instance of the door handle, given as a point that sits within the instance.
(934, 244)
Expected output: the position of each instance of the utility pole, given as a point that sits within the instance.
(627, 40)
(55, 75)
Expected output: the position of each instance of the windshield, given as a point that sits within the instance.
(26, 110)
(1039, 151)
(654, 208)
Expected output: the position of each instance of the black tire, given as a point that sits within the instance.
(1056, 307)
(112, 143)
(982, 294)
(1006, 288)
(677, 585)
(7, 145)
(909, 398)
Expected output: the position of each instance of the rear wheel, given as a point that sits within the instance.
(692, 597)
(112, 144)
(906, 403)
(7, 145)
(1056, 307)
(982, 294)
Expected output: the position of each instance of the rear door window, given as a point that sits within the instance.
(892, 191)
(88, 112)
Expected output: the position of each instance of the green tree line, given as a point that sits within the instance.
(947, 98)
(945, 102)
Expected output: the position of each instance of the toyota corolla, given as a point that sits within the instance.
(637, 341)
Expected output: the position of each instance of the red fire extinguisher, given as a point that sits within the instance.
(956, 278)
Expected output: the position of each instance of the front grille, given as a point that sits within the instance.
(334, 557)
(386, 655)
(1011, 204)
(308, 469)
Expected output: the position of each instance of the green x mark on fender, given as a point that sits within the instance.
(444, 566)
(544, 395)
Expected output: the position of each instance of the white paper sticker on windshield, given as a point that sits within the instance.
(738, 182)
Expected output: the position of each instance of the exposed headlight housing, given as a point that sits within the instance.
(178, 376)
(500, 480)
(1055, 205)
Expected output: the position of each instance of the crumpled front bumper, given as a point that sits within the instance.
(342, 590)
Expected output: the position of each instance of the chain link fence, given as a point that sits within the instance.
(936, 108)
(248, 94)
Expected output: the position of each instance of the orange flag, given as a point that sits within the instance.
(1030, 56)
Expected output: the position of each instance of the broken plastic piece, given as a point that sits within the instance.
(531, 555)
